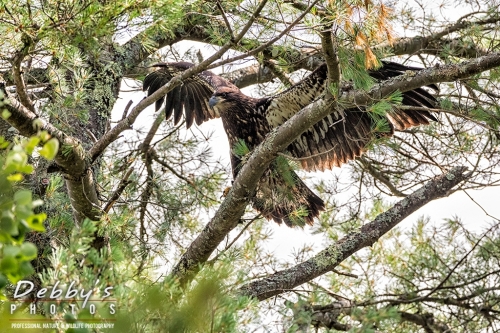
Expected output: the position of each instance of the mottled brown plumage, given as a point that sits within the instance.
(338, 138)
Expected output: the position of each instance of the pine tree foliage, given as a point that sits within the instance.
(96, 193)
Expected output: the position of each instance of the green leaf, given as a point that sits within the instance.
(26, 269)
(69, 318)
(50, 149)
(23, 197)
(240, 148)
(3, 143)
(23, 212)
(31, 144)
(9, 265)
(28, 251)
(37, 123)
(11, 250)
(6, 114)
(8, 224)
(3, 281)
(26, 169)
(44, 136)
(35, 222)
(16, 177)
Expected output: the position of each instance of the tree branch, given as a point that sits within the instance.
(247, 76)
(411, 80)
(426, 321)
(435, 43)
(127, 122)
(332, 60)
(17, 73)
(380, 177)
(71, 157)
(333, 255)
(232, 208)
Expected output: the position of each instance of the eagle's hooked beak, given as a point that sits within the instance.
(214, 100)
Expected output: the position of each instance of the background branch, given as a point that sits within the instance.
(332, 256)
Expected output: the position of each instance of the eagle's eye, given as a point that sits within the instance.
(224, 94)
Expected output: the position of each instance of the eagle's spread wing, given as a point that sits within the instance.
(191, 96)
(344, 134)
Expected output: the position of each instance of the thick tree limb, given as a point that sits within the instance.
(426, 321)
(426, 45)
(77, 175)
(436, 42)
(18, 75)
(249, 75)
(232, 208)
(333, 255)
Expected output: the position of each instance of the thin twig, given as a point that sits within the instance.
(482, 208)
(234, 240)
(119, 190)
(226, 21)
(125, 111)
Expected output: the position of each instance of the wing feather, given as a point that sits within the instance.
(169, 104)
(189, 105)
(190, 98)
(283, 106)
(202, 111)
(178, 104)
(346, 133)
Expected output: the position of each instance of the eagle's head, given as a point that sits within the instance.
(223, 98)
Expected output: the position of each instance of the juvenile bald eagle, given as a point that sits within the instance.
(338, 138)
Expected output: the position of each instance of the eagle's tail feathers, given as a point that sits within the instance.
(295, 205)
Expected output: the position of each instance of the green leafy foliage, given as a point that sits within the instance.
(240, 148)
(379, 110)
(18, 216)
(353, 69)
(208, 304)
(74, 267)
(285, 168)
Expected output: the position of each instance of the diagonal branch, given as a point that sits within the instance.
(332, 256)
(430, 43)
(232, 208)
(127, 122)
(18, 75)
